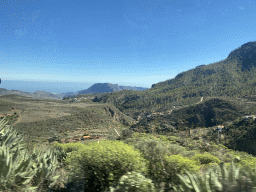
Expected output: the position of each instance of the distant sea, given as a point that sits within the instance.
(52, 87)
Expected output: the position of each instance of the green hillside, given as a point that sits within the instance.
(225, 86)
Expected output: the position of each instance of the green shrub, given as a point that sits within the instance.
(205, 167)
(154, 151)
(163, 138)
(240, 154)
(176, 164)
(215, 147)
(69, 147)
(134, 182)
(190, 146)
(249, 161)
(189, 154)
(102, 163)
(246, 159)
(64, 149)
(126, 133)
(173, 138)
(222, 146)
(205, 159)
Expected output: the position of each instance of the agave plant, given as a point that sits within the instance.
(17, 168)
(220, 179)
(46, 164)
(196, 183)
(15, 165)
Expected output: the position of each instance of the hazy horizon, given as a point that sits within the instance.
(52, 87)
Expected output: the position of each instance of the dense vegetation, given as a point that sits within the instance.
(103, 165)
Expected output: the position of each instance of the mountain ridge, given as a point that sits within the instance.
(223, 79)
(96, 88)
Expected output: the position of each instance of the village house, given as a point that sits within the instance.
(139, 117)
(246, 118)
(219, 128)
(157, 113)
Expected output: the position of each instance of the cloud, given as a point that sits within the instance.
(242, 8)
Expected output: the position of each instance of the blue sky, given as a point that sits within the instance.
(124, 42)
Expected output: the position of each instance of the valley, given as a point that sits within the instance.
(51, 115)
(43, 123)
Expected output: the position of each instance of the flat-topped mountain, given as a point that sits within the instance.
(107, 87)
